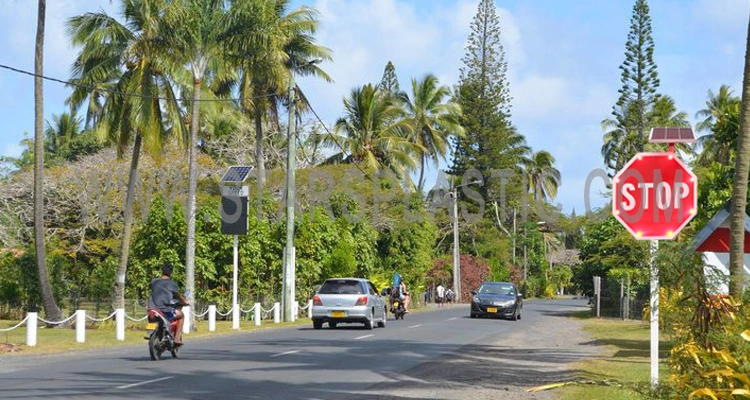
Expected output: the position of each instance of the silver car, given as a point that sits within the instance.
(348, 300)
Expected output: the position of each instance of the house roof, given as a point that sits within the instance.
(715, 236)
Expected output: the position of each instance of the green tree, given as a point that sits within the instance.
(142, 109)
(193, 30)
(389, 82)
(543, 178)
(739, 194)
(721, 119)
(373, 133)
(434, 119)
(490, 140)
(627, 131)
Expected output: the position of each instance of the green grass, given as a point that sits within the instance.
(50, 341)
(625, 358)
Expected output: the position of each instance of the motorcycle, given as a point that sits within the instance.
(397, 306)
(161, 334)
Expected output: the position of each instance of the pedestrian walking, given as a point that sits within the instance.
(440, 295)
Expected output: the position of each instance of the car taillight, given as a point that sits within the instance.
(362, 301)
(316, 301)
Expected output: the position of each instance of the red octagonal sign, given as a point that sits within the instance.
(655, 195)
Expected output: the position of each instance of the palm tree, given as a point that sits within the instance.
(739, 195)
(193, 30)
(51, 310)
(267, 43)
(141, 108)
(62, 130)
(434, 119)
(721, 119)
(543, 178)
(716, 105)
(373, 133)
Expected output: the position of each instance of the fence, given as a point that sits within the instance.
(119, 315)
(617, 302)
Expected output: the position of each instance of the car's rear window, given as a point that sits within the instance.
(341, 286)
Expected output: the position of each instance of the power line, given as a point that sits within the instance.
(113, 91)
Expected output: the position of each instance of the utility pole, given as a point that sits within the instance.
(514, 236)
(456, 258)
(289, 261)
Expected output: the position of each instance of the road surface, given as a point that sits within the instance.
(436, 354)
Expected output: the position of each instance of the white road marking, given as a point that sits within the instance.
(144, 382)
(364, 337)
(285, 353)
(415, 326)
(451, 319)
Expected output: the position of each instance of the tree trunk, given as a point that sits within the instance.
(51, 310)
(260, 162)
(192, 183)
(122, 269)
(420, 186)
(739, 195)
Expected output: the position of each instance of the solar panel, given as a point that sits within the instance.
(236, 174)
(671, 135)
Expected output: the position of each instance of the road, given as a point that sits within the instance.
(433, 354)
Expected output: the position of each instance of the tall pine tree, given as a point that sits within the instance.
(490, 141)
(389, 83)
(627, 132)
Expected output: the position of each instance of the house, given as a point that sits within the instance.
(713, 242)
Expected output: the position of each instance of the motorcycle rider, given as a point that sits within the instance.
(163, 292)
(399, 287)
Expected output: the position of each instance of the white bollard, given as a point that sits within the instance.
(236, 316)
(186, 314)
(276, 313)
(256, 314)
(31, 329)
(80, 326)
(309, 309)
(120, 324)
(211, 318)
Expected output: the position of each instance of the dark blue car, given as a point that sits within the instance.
(500, 299)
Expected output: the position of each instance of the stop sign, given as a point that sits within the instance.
(654, 196)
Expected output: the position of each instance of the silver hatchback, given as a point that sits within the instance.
(348, 300)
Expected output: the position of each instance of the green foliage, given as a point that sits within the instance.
(406, 248)
(389, 82)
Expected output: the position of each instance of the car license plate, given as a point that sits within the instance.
(338, 314)
(151, 326)
(491, 310)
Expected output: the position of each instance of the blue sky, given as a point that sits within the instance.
(563, 60)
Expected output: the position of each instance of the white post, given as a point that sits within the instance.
(211, 318)
(456, 251)
(276, 313)
(31, 329)
(309, 308)
(235, 306)
(654, 315)
(120, 324)
(80, 326)
(186, 312)
(256, 314)
(295, 310)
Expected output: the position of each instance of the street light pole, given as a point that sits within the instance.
(456, 258)
(289, 261)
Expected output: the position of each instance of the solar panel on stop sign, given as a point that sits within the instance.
(671, 135)
(236, 174)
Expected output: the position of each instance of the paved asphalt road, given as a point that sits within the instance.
(426, 349)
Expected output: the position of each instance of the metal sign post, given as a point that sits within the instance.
(235, 305)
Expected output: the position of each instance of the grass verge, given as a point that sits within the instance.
(625, 358)
(51, 341)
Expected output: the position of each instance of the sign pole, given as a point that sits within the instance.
(235, 306)
(654, 315)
